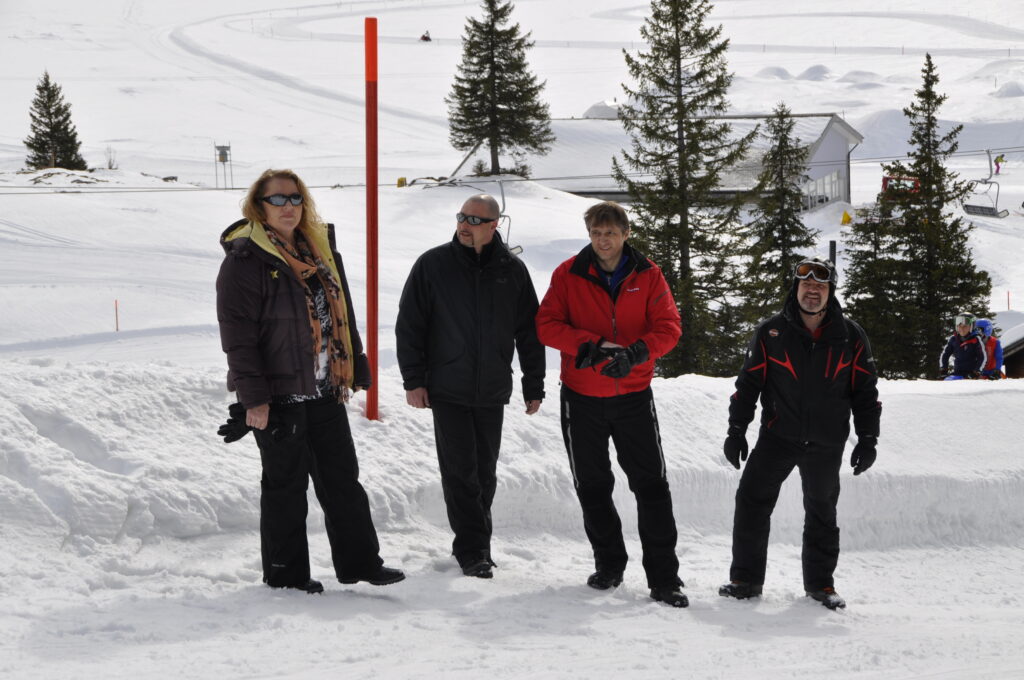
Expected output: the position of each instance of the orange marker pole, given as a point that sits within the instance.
(370, 31)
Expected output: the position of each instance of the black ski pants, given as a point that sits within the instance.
(632, 423)
(312, 439)
(468, 439)
(767, 468)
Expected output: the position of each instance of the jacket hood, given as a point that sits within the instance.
(245, 234)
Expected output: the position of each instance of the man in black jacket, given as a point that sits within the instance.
(811, 367)
(464, 306)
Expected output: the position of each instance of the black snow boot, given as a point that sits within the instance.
(381, 576)
(603, 579)
(671, 594)
(741, 590)
(311, 586)
(828, 597)
(480, 569)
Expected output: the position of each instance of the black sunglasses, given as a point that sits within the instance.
(280, 199)
(813, 270)
(473, 219)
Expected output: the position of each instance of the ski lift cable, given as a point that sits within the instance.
(453, 181)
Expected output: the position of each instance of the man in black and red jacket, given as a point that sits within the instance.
(811, 367)
(610, 312)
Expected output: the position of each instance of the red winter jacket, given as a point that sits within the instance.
(579, 308)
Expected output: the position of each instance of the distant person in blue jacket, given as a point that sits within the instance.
(967, 349)
(993, 368)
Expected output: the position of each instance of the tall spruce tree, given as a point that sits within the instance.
(495, 99)
(53, 141)
(776, 236)
(679, 154)
(912, 269)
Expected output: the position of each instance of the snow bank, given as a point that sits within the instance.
(130, 452)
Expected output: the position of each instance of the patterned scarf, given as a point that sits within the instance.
(306, 261)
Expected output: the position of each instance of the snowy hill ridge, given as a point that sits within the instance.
(127, 452)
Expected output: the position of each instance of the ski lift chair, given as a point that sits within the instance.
(980, 201)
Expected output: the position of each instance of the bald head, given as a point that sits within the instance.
(477, 236)
(485, 202)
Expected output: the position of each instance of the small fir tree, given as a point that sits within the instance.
(53, 141)
(495, 99)
(913, 269)
(777, 237)
(675, 166)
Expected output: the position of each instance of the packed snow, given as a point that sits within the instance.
(130, 530)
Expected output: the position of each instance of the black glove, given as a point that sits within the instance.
(590, 354)
(735, 447)
(235, 428)
(625, 358)
(864, 453)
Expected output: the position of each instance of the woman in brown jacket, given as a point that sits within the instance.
(294, 358)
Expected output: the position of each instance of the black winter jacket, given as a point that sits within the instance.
(458, 321)
(808, 388)
(263, 318)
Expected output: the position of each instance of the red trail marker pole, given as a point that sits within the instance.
(370, 31)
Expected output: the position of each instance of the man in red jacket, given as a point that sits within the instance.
(611, 313)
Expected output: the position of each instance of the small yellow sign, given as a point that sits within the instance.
(846, 218)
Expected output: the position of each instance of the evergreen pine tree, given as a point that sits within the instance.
(495, 99)
(53, 142)
(777, 238)
(678, 156)
(912, 269)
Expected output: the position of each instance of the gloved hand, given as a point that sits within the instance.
(735, 447)
(864, 453)
(590, 354)
(624, 359)
(235, 428)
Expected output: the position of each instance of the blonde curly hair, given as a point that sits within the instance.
(252, 205)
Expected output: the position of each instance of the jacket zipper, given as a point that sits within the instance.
(477, 273)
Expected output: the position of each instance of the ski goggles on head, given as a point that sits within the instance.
(473, 219)
(813, 270)
(280, 199)
(964, 320)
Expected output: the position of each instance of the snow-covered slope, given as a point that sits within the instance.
(130, 532)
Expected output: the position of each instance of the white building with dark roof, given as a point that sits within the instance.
(580, 160)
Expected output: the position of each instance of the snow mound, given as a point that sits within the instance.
(818, 72)
(94, 178)
(1010, 89)
(776, 72)
(999, 68)
(859, 77)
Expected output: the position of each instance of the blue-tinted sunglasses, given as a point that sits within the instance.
(280, 199)
(473, 219)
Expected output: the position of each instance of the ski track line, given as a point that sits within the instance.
(101, 338)
(178, 37)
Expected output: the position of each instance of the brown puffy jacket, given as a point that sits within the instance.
(264, 323)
